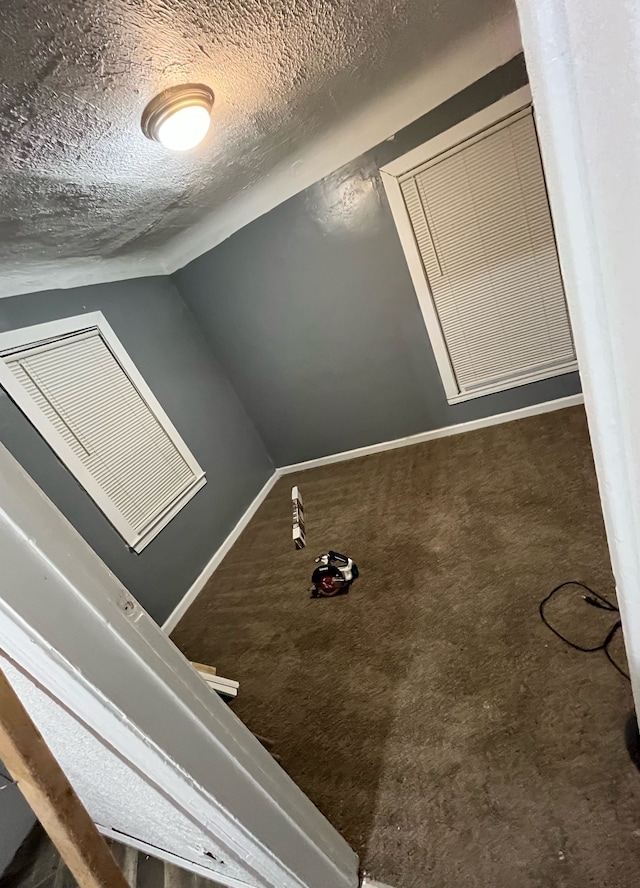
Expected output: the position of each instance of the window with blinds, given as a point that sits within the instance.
(90, 404)
(481, 226)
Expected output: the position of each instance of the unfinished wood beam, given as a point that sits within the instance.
(202, 667)
(53, 800)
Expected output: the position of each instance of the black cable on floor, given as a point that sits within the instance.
(595, 600)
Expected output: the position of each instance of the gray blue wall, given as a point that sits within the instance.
(167, 347)
(312, 313)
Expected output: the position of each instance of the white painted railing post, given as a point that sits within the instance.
(584, 66)
(156, 757)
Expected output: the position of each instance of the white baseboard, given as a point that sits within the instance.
(207, 572)
(459, 428)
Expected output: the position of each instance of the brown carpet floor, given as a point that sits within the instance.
(450, 737)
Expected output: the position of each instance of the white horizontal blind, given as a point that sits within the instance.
(482, 225)
(85, 394)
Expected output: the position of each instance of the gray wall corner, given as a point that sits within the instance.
(313, 315)
(175, 360)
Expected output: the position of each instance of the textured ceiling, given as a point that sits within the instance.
(80, 182)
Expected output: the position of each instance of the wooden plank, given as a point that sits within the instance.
(227, 690)
(217, 683)
(52, 798)
(219, 680)
(202, 667)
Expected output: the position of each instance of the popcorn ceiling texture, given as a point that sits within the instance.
(79, 179)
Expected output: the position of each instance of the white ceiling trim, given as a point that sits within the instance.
(68, 273)
(471, 58)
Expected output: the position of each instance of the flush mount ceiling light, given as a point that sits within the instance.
(179, 117)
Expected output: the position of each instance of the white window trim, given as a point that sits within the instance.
(392, 174)
(14, 340)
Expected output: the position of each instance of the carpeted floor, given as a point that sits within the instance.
(450, 737)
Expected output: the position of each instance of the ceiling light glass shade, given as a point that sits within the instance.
(185, 128)
(179, 118)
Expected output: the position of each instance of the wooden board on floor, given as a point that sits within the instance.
(202, 667)
(224, 686)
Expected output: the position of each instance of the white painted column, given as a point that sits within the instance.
(583, 58)
(154, 754)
